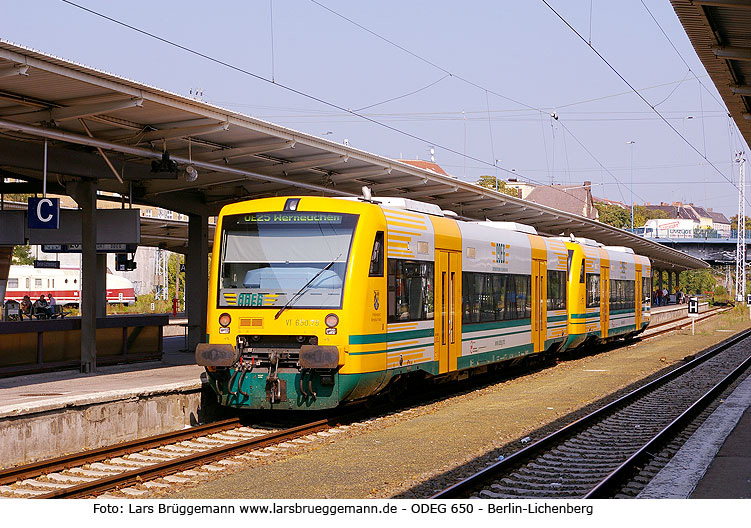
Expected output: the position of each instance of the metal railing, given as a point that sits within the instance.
(692, 234)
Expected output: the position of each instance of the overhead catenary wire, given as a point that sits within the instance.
(313, 97)
(638, 94)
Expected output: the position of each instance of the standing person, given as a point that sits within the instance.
(52, 303)
(665, 298)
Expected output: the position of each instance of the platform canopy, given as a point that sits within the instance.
(104, 127)
(720, 31)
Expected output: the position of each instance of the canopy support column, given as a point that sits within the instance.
(197, 278)
(84, 193)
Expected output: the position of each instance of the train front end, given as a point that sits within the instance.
(288, 279)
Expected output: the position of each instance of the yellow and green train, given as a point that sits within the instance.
(317, 301)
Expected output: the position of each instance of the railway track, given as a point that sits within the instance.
(683, 322)
(171, 458)
(596, 456)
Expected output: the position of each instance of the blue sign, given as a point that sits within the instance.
(44, 213)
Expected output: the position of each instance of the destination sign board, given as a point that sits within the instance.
(47, 264)
(100, 248)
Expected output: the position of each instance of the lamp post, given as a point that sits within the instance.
(497, 162)
(632, 183)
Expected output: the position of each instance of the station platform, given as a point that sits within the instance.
(50, 414)
(715, 463)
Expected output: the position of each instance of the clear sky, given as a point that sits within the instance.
(525, 64)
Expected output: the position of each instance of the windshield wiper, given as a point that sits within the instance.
(301, 290)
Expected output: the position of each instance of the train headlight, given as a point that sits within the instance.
(332, 320)
(225, 319)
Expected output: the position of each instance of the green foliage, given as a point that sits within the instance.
(22, 256)
(613, 215)
(15, 197)
(734, 222)
(642, 215)
(173, 266)
(698, 281)
(490, 182)
(620, 217)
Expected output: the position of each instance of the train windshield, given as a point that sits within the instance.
(291, 258)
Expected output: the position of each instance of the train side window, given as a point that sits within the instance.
(490, 297)
(37, 283)
(12, 283)
(28, 283)
(410, 290)
(376, 257)
(593, 290)
(556, 290)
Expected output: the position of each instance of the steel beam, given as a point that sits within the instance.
(247, 150)
(66, 113)
(180, 132)
(737, 4)
(318, 161)
(370, 172)
(732, 52)
(18, 69)
(740, 89)
(71, 137)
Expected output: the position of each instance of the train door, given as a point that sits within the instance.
(604, 301)
(448, 319)
(638, 300)
(539, 304)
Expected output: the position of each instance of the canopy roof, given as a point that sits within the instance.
(104, 127)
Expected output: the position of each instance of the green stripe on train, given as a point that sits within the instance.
(372, 339)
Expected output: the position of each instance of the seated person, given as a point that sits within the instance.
(26, 307)
(42, 308)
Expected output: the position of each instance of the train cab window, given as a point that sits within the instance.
(376, 258)
(12, 283)
(556, 290)
(582, 272)
(410, 290)
(593, 290)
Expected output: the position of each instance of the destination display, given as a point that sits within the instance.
(288, 218)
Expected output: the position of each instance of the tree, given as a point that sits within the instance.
(643, 214)
(22, 256)
(490, 182)
(173, 265)
(620, 217)
(613, 215)
(734, 222)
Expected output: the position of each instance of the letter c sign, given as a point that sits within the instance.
(44, 213)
